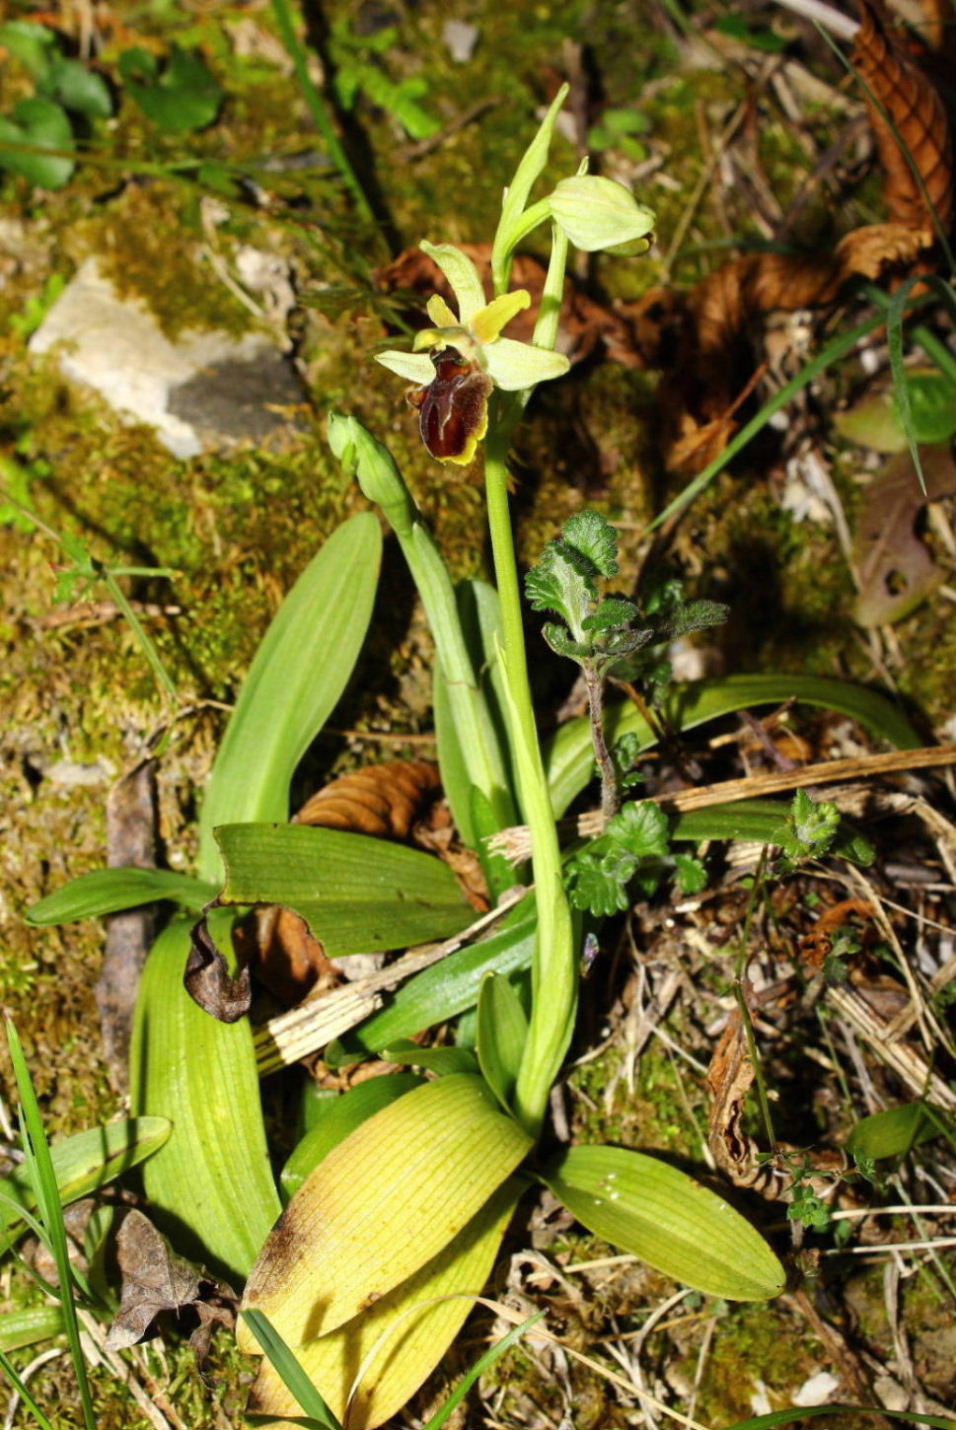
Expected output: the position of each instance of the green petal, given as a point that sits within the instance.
(514, 366)
(487, 324)
(461, 274)
(414, 367)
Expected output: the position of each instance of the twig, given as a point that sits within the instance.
(515, 843)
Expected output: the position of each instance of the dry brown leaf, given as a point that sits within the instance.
(381, 800)
(817, 944)
(894, 566)
(155, 1279)
(209, 983)
(586, 325)
(729, 1079)
(909, 123)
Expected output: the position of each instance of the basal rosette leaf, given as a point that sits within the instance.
(381, 1204)
(663, 1216)
(371, 1366)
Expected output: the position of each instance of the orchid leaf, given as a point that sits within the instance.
(658, 1213)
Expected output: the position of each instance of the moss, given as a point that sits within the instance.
(753, 1346)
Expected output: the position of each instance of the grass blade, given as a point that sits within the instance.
(40, 1164)
(290, 1372)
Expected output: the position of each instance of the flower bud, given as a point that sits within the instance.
(599, 214)
(375, 469)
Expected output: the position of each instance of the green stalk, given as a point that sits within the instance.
(382, 483)
(554, 982)
(319, 110)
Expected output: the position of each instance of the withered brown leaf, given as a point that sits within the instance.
(381, 800)
(155, 1279)
(909, 123)
(209, 983)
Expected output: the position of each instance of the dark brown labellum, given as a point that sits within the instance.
(453, 408)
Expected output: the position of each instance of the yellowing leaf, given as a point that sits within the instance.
(394, 1346)
(381, 1204)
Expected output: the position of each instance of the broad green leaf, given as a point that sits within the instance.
(357, 894)
(27, 1328)
(213, 1177)
(502, 1034)
(340, 1116)
(652, 1210)
(37, 124)
(895, 1131)
(81, 1164)
(108, 891)
(569, 758)
(398, 1341)
(381, 1204)
(293, 684)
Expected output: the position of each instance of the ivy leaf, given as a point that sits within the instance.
(79, 89)
(186, 96)
(589, 533)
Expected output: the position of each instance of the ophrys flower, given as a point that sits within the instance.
(468, 358)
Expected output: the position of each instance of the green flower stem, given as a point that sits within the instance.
(383, 483)
(554, 981)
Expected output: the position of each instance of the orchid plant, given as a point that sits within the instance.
(368, 1274)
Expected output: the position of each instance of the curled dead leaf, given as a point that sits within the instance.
(209, 983)
(154, 1280)
(381, 800)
